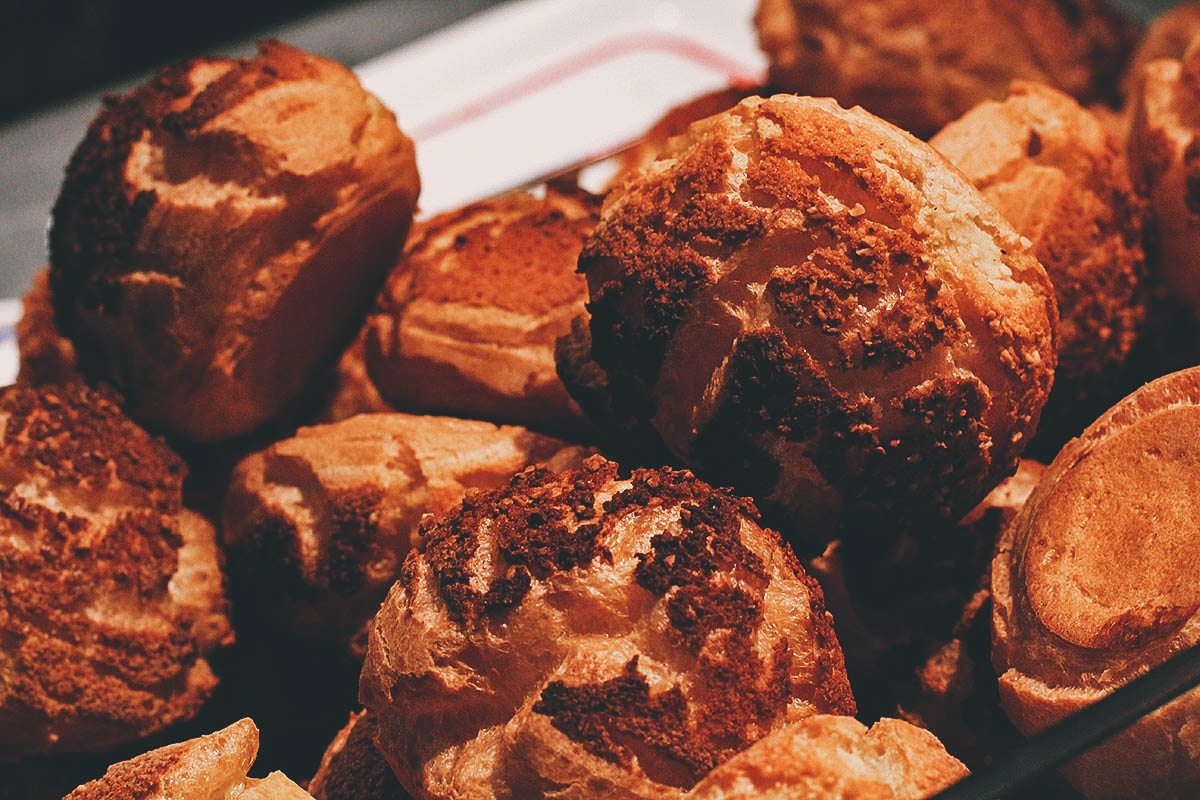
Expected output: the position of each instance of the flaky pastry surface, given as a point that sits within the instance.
(1094, 583)
(113, 598)
(836, 758)
(583, 635)
(811, 305)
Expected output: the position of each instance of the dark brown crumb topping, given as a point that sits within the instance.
(543, 523)
(137, 779)
(358, 771)
(619, 719)
(514, 252)
(777, 390)
(79, 436)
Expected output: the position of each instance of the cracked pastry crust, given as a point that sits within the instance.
(1094, 583)
(317, 525)
(1053, 171)
(211, 767)
(811, 305)
(113, 595)
(352, 767)
(584, 635)
(220, 231)
(920, 64)
(1164, 158)
(467, 320)
(836, 758)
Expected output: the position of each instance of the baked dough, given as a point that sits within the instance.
(920, 64)
(1054, 172)
(317, 525)
(211, 767)
(584, 635)
(221, 231)
(836, 758)
(113, 598)
(1164, 157)
(1094, 584)
(813, 306)
(352, 767)
(467, 320)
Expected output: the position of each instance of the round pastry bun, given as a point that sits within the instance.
(220, 232)
(836, 758)
(1094, 583)
(467, 320)
(919, 64)
(204, 768)
(1164, 158)
(318, 525)
(1055, 173)
(584, 635)
(113, 597)
(813, 306)
(352, 767)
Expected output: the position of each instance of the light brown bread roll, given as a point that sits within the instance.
(811, 305)
(1164, 156)
(1095, 582)
(920, 64)
(836, 758)
(467, 321)
(211, 767)
(352, 768)
(221, 231)
(113, 598)
(318, 525)
(585, 636)
(1055, 173)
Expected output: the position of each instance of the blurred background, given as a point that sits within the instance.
(61, 56)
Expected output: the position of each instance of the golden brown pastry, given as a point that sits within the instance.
(221, 231)
(211, 767)
(836, 758)
(1053, 171)
(811, 305)
(1167, 36)
(318, 525)
(676, 121)
(587, 636)
(46, 355)
(467, 320)
(113, 597)
(1095, 582)
(920, 64)
(352, 767)
(1164, 157)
